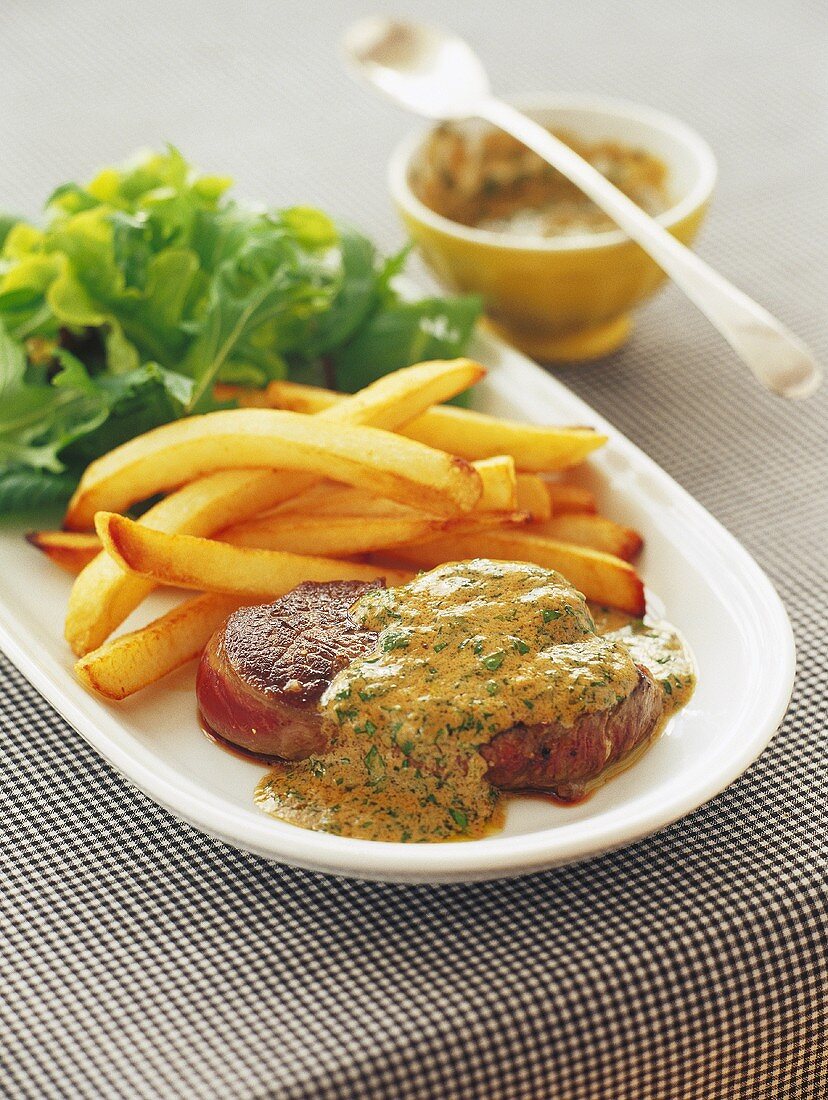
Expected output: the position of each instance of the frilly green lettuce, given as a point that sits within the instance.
(147, 285)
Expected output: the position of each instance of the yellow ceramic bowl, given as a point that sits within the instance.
(564, 298)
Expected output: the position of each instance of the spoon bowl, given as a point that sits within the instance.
(432, 73)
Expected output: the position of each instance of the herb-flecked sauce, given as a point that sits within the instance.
(487, 178)
(464, 652)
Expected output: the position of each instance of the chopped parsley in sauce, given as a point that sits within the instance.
(490, 180)
(464, 652)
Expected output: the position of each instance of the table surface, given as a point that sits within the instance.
(146, 960)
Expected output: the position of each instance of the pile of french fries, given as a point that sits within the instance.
(304, 484)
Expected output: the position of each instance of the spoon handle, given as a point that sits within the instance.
(777, 358)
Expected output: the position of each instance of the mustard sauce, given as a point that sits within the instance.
(492, 181)
(656, 645)
(464, 652)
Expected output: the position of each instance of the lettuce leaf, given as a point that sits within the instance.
(25, 490)
(403, 333)
(148, 284)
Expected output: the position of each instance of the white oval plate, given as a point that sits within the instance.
(710, 587)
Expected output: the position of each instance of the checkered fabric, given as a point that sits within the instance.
(142, 959)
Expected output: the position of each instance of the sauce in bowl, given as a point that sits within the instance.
(490, 181)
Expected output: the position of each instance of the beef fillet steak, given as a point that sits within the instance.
(263, 673)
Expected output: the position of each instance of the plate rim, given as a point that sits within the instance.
(490, 857)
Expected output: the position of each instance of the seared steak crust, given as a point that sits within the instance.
(563, 759)
(263, 673)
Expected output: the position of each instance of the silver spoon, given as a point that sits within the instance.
(436, 74)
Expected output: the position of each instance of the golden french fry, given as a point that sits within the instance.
(386, 403)
(532, 497)
(327, 536)
(480, 522)
(70, 550)
(499, 484)
(125, 665)
(212, 566)
(570, 498)
(332, 536)
(596, 532)
(103, 595)
(601, 577)
(463, 432)
(133, 661)
(534, 448)
(330, 498)
(184, 450)
(405, 393)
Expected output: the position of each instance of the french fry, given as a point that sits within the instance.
(330, 498)
(499, 480)
(532, 497)
(478, 522)
(347, 535)
(403, 395)
(332, 536)
(211, 566)
(71, 550)
(566, 498)
(184, 450)
(465, 433)
(386, 403)
(103, 595)
(534, 448)
(406, 393)
(596, 532)
(421, 385)
(601, 577)
(336, 535)
(133, 661)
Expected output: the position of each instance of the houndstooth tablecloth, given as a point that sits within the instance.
(145, 960)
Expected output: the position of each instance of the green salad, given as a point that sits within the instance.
(147, 285)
